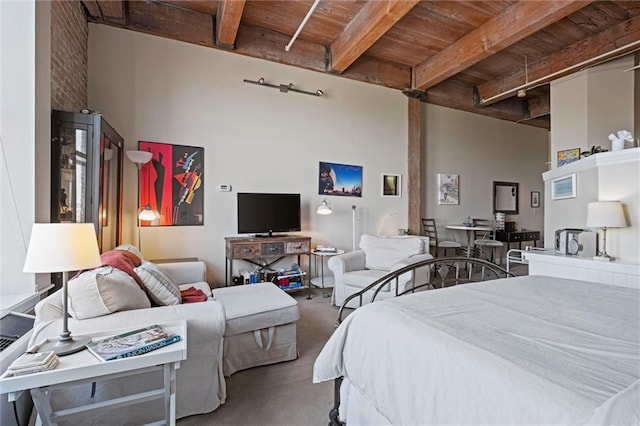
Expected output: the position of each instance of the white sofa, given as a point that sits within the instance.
(200, 382)
(376, 257)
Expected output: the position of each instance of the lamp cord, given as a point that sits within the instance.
(13, 195)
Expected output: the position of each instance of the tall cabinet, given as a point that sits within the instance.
(86, 174)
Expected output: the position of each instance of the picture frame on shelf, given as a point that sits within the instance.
(391, 185)
(564, 187)
(568, 156)
(535, 199)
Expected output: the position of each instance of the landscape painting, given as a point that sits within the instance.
(340, 179)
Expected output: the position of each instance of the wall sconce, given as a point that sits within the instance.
(324, 208)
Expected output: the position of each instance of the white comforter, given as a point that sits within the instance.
(526, 350)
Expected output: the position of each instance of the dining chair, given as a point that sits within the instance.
(430, 230)
(487, 239)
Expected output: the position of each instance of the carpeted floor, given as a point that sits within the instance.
(283, 394)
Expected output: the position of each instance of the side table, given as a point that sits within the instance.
(83, 367)
(320, 280)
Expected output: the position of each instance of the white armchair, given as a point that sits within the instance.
(376, 257)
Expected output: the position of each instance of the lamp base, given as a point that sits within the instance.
(76, 344)
(604, 258)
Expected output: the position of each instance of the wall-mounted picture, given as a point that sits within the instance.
(172, 184)
(391, 185)
(535, 199)
(448, 189)
(568, 156)
(564, 187)
(340, 179)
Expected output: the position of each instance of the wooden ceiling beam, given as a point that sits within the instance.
(459, 96)
(228, 21)
(516, 23)
(112, 9)
(372, 22)
(621, 39)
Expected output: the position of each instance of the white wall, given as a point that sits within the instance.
(481, 150)
(601, 100)
(588, 105)
(255, 138)
(17, 141)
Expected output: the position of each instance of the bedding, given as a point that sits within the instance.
(525, 350)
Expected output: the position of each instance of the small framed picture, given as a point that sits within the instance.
(564, 187)
(448, 189)
(391, 185)
(568, 156)
(535, 199)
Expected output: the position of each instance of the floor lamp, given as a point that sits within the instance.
(63, 247)
(145, 213)
(353, 237)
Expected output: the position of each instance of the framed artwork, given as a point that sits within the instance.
(563, 187)
(568, 156)
(391, 185)
(448, 189)
(535, 199)
(340, 179)
(172, 183)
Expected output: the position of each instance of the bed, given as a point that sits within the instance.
(524, 350)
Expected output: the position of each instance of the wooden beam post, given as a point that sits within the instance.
(414, 166)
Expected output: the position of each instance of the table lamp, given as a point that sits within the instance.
(605, 214)
(63, 247)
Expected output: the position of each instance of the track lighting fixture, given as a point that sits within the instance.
(284, 88)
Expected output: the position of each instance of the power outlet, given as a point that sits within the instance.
(224, 187)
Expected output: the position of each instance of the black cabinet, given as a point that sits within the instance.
(518, 237)
(86, 174)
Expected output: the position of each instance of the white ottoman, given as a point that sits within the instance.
(260, 326)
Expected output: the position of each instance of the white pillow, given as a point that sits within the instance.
(383, 252)
(103, 291)
(160, 287)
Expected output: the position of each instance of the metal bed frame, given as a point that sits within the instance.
(446, 273)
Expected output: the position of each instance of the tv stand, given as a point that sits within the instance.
(264, 251)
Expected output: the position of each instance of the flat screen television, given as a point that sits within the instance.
(264, 213)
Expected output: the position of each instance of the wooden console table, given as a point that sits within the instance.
(518, 237)
(263, 251)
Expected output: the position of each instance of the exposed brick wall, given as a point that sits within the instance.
(69, 40)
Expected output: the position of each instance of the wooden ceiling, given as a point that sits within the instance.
(468, 55)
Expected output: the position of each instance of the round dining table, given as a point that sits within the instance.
(470, 230)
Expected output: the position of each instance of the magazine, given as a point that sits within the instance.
(132, 343)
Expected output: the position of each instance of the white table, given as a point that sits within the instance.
(470, 230)
(323, 282)
(83, 367)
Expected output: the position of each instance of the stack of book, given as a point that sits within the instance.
(29, 363)
(132, 343)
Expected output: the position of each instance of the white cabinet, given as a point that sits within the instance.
(580, 268)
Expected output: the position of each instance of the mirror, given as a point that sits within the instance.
(505, 197)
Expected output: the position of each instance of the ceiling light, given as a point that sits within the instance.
(522, 93)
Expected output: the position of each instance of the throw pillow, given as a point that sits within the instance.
(160, 288)
(103, 291)
(130, 248)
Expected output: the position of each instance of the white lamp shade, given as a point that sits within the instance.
(324, 208)
(609, 214)
(148, 214)
(139, 157)
(60, 247)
